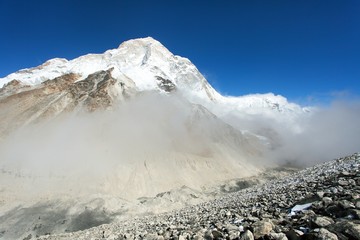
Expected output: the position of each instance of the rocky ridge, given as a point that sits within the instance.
(321, 202)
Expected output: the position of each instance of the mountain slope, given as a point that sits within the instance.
(109, 130)
(198, 126)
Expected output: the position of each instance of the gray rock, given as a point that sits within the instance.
(320, 194)
(208, 235)
(247, 235)
(151, 237)
(321, 221)
(262, 228)
(343, 182)
(353, 230)
(324, 234)
(346, 204)
(294, 234)
(231, 227)
(352, 182)
(198, 237)
(217, 234)
(326, 201)
(181, 237)
(298, 232)
(357, 204)
(278, 236)
(355, 213)
(234, 234)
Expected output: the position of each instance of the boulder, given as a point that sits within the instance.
(262, 228)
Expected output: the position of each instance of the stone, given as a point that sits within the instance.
(321, 221)
(253, 219)
(343, 182)
(208, 235)
(345, 173)
(228, 213)
(352, 182)
(335, 211)
(320, 194)
(298, 232)
(217, 234)
(324, 234)
(326, 201)
(278, 236)
(346, 204)
(234, 234)
(353, 230)
(230, 227)
(198, 237)
(357, 204)
(355, 213)
(293, 234)
(247, 235)
(151, 237)
(262, 228)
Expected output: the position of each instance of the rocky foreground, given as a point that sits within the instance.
(322, 202)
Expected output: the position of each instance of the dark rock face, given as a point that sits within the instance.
(165, 84)
(326, 208)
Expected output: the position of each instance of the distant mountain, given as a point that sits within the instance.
(145, 64)
(156, 104)
(126, 125)
(96, 80)
(209, 137)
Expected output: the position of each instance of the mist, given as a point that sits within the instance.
(321, 135)
(137, 147)
(329, 133)
(79, 151)
(141, 147)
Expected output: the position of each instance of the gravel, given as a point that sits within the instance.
(326, 196)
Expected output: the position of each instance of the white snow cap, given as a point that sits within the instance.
(142, 61)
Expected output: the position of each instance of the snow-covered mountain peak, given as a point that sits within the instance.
(144, 43)
(142, 60)
(267, 100)
(144, 64)
(140, 41)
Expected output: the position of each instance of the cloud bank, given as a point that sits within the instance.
(81, 152)
(324, 134)
(330, 132)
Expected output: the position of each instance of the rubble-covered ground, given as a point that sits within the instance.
(321, 202)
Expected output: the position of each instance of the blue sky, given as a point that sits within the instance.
(308, 51)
